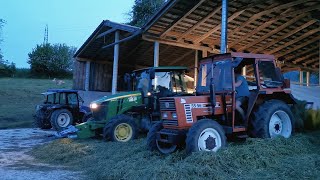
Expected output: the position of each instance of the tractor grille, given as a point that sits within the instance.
(167, 105)
(170, 122)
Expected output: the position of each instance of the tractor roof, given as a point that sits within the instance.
(163, 68)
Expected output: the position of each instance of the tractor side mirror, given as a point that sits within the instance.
(152, 73)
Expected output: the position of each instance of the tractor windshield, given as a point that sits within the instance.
(172, 81)
(217, 73)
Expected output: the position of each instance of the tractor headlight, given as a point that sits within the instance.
(148, 93)
(93, 105)
(164, 115)
(174, 115)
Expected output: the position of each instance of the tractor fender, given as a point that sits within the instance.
(285, 97)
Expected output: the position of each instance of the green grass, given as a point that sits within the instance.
(294, 158)
(19, 97)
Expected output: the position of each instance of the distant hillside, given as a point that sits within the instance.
(294, 76)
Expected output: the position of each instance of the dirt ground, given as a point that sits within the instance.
(15, 163)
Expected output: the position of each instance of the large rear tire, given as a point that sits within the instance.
(152, 136)
(272, 119)
(205, 135)
(121, 128)
(61, 119)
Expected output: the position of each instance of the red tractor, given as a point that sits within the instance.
(204, 121)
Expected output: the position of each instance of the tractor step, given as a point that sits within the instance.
(243, 136)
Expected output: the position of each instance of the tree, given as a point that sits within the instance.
(143, 10)
(51, 60)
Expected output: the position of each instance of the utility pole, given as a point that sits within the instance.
(46, 35)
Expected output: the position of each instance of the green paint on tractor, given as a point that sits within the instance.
(136, 109)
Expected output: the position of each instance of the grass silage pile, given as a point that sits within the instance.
(294, 158)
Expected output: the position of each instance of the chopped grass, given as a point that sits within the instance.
(294, 158)
(19, 97)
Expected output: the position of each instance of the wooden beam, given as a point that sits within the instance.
(275, 41)
(311, 61)
(177, 21)
(106, 33)
(200, 22)
(256, 41)
(303, 53)
(232, 17)
(305, 35)
(180, 44)
(181, 58)
(298, 47)
(304, 57)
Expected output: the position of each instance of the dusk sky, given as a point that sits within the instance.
(69, 21)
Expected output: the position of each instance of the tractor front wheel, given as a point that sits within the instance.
(272, 119)
(121, 128)
(152, 136)
(60, 119)
(205, 135)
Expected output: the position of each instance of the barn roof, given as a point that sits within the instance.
(134, 51)
(285, 28)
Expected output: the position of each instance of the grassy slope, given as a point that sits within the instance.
(293, 158)
(19, 97)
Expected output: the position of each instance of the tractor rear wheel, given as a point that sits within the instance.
(121, 128)
(152, 136)
(205, 135)
(272, 119)
(60, 119)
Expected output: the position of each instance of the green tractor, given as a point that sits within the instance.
(122, 116)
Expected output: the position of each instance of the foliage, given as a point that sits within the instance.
(312, 119)
(51, 60)
(19, 97)
(7, 69)
(143, 10)
(294, 158)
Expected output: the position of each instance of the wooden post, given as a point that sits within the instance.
(115, 63)
(301, 78)
(308, 78)
(156, 54)
(244, 71)
(87, 76)
(196, 62)
(204, 54)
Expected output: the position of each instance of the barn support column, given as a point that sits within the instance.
(224, 27)
(301, 78)
(156, 54)
(204, 54)
(308, 78)
(87, 76)
(115, 63)
(196, 62)
(244, 71)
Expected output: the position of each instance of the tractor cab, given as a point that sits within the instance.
(157, 82)
(221, 108)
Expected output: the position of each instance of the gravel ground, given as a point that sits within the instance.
(16, 164)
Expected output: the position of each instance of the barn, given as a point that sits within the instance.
(183, 31)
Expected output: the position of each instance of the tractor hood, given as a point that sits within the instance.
(117, 96)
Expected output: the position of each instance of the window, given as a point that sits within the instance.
(72, 99)
(267, 75)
